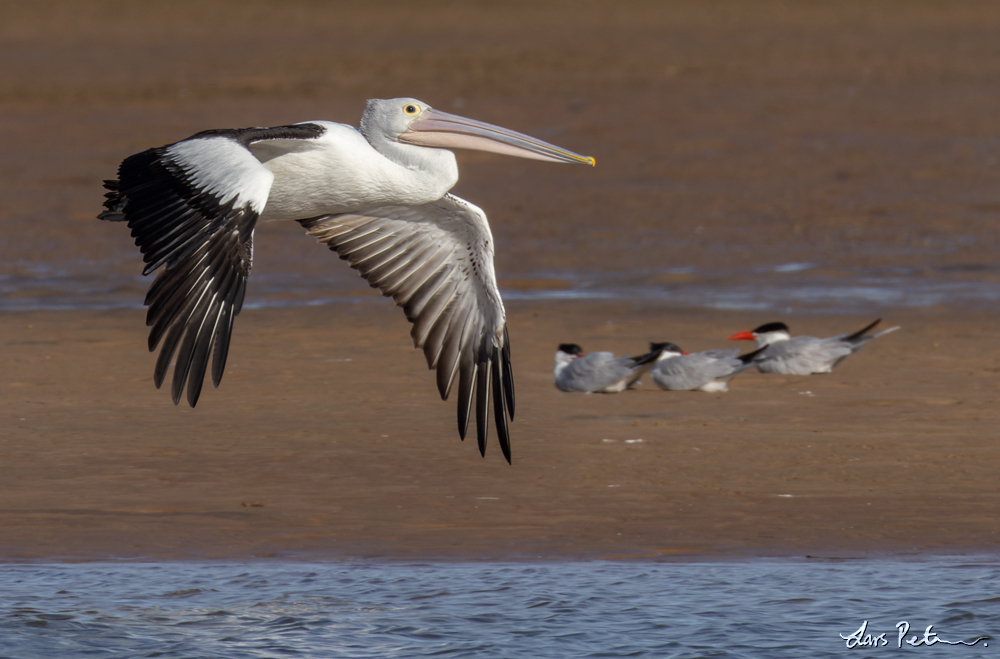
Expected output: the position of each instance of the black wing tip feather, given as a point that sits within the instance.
(467, 378)
(493, 375)
(751, 356)
(652, 356)
(508, 371)
(861, 332)
(499, 403)
(482, 400)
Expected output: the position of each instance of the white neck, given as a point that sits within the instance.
(435, 169)
(767, 338)
(666, 354)
(438, 162)
(563, 360)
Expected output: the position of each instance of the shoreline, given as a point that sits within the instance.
(971, 557)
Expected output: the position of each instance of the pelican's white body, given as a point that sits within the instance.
(340, 171)
(337, 172)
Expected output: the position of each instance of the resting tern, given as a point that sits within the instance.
(710, 370)
(378, 196)
(598, 372)
(804, 355)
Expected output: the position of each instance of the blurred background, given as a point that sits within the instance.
(795, 157)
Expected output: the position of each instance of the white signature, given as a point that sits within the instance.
(862, 638)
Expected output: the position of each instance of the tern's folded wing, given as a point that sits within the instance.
(594, 372)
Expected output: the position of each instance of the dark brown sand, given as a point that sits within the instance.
(851, 134)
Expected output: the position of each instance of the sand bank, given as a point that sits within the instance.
(327, 439)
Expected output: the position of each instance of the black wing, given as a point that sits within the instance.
(192, 207)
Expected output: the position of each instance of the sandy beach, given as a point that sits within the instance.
(325, 440)
(728, 136)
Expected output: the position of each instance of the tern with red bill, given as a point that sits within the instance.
(709, 370)
(378, 196)
(598, 372)
(804, 355)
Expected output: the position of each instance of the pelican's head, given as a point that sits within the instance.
(410, 121)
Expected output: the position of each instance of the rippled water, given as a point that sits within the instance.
(761, 608)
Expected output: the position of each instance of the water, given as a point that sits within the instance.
(785, 287)
(760, 608)
(99, 269)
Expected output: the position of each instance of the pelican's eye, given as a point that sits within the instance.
(411, 110)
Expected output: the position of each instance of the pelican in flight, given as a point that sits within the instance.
(378, 196)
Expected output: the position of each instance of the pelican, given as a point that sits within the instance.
(804, 355)
(599, 372)
(377, 196)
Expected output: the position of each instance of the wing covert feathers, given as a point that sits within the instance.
(436, 262)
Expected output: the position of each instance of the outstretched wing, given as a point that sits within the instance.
(436, 262)
(192, 207)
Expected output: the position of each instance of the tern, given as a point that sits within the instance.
(710, 370)
(377, 196)
(804, 355)
(598, 372)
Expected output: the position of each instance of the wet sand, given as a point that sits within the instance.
(730, 135)
(326, 439)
